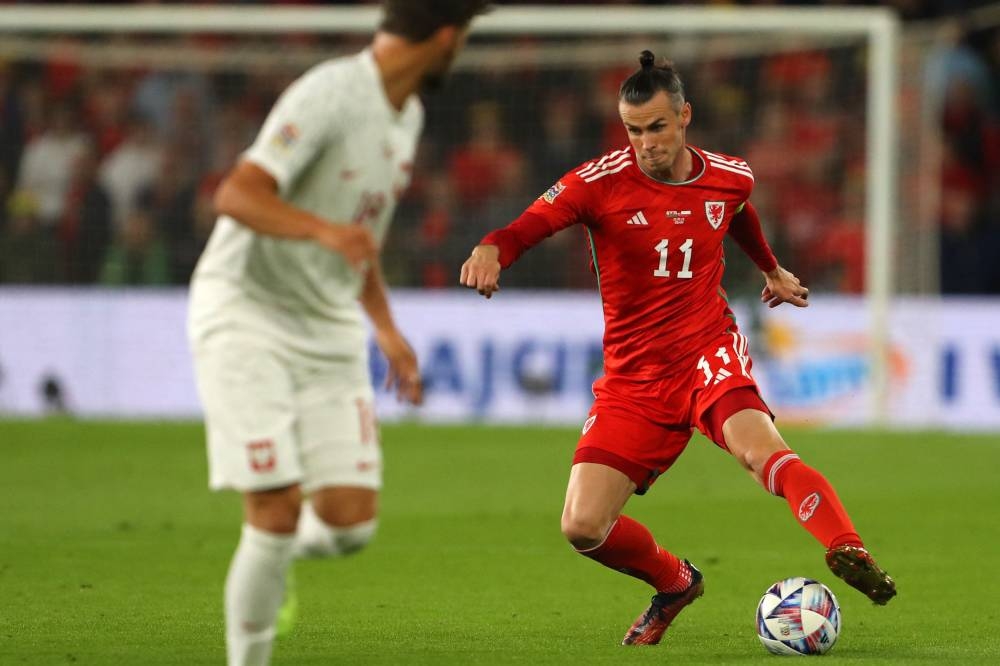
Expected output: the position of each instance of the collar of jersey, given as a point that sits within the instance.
(676, 182)
(368, 59)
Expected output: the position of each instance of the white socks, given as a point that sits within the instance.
(255, 589)
(255, 586)
(315, 538)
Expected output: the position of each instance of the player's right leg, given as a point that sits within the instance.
(601, 482)
(248, 398)
(255, 584)
(593, 524)
(649, 627)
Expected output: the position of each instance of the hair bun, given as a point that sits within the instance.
(646, 59)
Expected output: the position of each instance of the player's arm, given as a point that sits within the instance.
(745, 229)
(403, 374)
(781, 286)
(560, 207)
(249, 195)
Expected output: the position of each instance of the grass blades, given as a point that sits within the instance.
(113, 551)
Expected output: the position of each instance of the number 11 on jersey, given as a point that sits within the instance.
(663, 248)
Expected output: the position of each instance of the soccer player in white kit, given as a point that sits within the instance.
(275, 321)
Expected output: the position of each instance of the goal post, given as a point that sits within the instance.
(877, 28)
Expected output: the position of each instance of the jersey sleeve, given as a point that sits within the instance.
(746, 231)
(302, 122)
(566, 203)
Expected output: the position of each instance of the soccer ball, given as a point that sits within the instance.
(798, 616)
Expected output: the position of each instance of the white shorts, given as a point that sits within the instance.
(271, 422)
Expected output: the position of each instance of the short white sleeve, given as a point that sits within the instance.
(301, 123)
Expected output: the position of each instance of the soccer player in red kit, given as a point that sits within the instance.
(656, 213)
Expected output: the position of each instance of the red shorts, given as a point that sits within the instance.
(640, 427)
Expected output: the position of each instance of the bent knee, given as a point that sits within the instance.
(318, 538)
(752, 439)
(352, 538)
(343, 516)
(341, 521)
(344, 507)
(755, 460)
(584, 532)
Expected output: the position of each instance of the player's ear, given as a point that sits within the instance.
(445, 36)
(685, 115)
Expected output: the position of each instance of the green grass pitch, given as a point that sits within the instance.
(112, 551)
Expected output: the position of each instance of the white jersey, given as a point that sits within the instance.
(338, 149)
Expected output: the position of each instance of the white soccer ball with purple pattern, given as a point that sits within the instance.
(798, 616)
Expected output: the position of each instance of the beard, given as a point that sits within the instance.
(436, 79)
(433, 82)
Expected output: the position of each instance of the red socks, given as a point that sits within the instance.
(631, 549)
(812, 499)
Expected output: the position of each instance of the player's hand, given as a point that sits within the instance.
(783, 287)
(403, 375)
(481, 271)
(353, 241)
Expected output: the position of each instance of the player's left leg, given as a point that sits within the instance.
(751, 437)
(342, 463)
(337, 520)
(334, 521)
(741, 422)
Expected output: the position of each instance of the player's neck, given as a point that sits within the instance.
(678, 172)
(400, 65)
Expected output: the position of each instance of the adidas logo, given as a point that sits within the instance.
(722, 375)
(639, 219)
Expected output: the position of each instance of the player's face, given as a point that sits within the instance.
(656, 131)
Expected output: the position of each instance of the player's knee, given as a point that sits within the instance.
(277, 521)
(353, 538)
(755, 459)
(346, 514)
(336, 522)
(326, 533)
(317, 539)
(275, 511)
(343, 507)
(752, 439)
(583, 531)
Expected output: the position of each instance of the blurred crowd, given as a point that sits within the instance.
(107, 173)
(908, 9)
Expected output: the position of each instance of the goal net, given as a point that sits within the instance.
(156, 103)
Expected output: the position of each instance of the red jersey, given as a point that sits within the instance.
(656, 249)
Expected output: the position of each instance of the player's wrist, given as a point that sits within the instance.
(317, 230)
(387, 329)
(487, 251)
